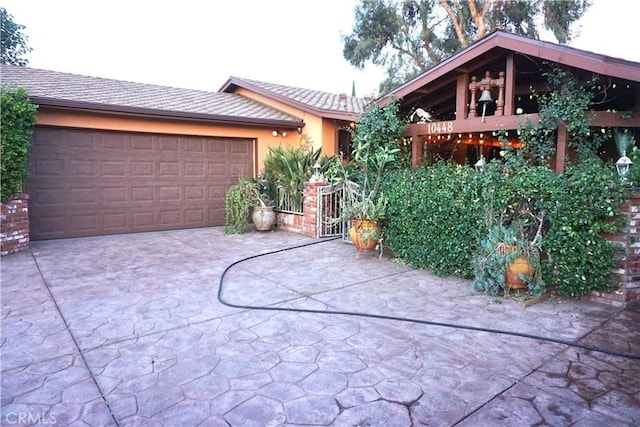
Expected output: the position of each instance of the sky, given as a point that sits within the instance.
(199, 44)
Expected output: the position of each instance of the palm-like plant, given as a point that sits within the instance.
(289, 169)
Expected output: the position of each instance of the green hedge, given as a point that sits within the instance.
(436, 217)
(18, 120)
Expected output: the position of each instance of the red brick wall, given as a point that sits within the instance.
(310, 208)
(14, 224)
(289, 222)
(627, 272)
(307, 222)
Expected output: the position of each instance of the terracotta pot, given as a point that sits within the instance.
(263, 217)
(519, 265)
(362, 233)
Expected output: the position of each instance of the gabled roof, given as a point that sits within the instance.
(52, 88)
(547, 51)
(323, 104)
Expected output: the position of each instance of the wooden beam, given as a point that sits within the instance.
(561, 147)
(491, 123)
(608, 119)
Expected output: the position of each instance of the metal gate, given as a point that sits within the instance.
(331, 200)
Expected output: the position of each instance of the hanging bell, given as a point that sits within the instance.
(485, 96)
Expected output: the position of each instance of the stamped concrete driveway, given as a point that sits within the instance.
(127, 330)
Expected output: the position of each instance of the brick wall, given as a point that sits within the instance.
(14, 224)
(310, 207)
(289, 222)
(307, 222)
(627, 272)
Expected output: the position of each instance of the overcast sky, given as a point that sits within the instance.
(199, 44)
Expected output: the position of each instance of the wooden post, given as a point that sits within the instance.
(462, 96)
(416, 146)
(510, 87)
(561, 147)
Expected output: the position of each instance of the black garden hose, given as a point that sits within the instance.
(401, 319)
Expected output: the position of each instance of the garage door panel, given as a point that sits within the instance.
(88, 182)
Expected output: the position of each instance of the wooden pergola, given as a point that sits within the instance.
(509, 67)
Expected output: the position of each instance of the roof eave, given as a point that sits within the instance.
(234, 83)
(500, 39)
(176, 115)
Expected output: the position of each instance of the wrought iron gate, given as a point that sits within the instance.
(331, 200)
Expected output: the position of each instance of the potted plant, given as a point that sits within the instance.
(240, 199)
(374, 146)
(509, 257)
(263, 215)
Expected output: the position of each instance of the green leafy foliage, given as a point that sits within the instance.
(239, 199)
(434, 217)
(18, 121)
(290, 169)
(586, 206)
(376, 142)
(437, 219)
(564, 103)
(13, 44)
(409, 36)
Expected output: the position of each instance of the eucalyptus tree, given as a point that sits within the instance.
(13, 43)
(409, 36)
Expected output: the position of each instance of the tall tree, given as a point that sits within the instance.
(409, 36)
(13, 43)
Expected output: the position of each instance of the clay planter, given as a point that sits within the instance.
(519, 265)
(364, 235)
(263, 217)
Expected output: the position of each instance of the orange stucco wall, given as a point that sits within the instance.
(323, 133)
(77, 119)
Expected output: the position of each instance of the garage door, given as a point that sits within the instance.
(88, 183)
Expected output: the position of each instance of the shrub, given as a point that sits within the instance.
(239, 199)
(436, 217)
(585, 205)
(18, 120)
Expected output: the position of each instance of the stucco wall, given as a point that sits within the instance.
(323, 133)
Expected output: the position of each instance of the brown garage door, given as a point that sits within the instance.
(87, 182)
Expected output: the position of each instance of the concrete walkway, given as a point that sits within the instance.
(127, 330)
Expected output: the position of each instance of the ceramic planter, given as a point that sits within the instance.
(364, 235)
(263, 217)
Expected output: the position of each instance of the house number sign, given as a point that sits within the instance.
(440, 127)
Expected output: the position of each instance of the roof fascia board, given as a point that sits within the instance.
(153, 113)
(566, 55)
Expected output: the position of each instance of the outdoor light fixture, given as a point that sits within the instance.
(480, 165)
(317, 176)
(623, 165)
(284, 134)
(274, 133)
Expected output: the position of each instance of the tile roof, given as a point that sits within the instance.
(324, 104)
(71, 90)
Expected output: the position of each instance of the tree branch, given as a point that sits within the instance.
(479, 18)
(456, 23)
